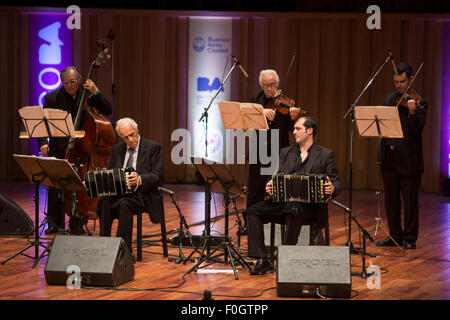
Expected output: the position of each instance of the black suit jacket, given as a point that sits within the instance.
(407, 155)
(320, 161)
(150, 168)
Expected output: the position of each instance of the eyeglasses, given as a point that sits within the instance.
(72, 81)
(269, 85)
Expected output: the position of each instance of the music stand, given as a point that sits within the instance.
(242, 116)
(50, 172)
(48, 122)
(379, 122)
(218, 179)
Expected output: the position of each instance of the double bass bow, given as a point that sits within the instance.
(92, 151)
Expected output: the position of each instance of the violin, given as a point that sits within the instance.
(410, 95)
(282, 103)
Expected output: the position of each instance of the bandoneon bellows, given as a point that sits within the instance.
(308, 188)
(111, 182)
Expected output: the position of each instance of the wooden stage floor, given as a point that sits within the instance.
(421, 274)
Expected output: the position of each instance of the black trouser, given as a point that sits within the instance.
(55, 209)
(123, 210)
(255, 227)
(406, 187)
(256, 186)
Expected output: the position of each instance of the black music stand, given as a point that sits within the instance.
(219, 179)
(50, 172)
(242, 116)
(51, 123)
(379, 122)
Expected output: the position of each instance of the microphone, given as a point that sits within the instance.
(391, 57)
(340, 205)
(166, 190)
(240, 66)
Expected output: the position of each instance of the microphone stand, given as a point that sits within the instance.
(181, 235)
(351, 112)
(366, 235)
(205, 113)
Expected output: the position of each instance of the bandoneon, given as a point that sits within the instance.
(308, 188)
(111, 182)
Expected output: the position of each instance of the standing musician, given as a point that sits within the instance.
(402, 162)
(268, 97)
(146, 157)
(67, 98)
(305, 157)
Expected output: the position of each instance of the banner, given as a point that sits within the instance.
(209, 49)
(50, 43)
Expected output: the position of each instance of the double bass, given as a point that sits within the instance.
(92, 151)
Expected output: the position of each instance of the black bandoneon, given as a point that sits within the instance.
(112, 182)
(308, 188)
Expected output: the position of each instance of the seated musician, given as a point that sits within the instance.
(146, 157)
(304, 157)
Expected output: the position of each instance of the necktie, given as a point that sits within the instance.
(130, 158)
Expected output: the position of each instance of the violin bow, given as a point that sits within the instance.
(289, 68)
(410, 84)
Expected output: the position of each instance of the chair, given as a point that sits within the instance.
(139, 236)
(313, 239)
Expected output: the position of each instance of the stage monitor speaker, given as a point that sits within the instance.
(13, 219)
(100, 261)
(314, 271)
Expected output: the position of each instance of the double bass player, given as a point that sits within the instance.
(67, 98)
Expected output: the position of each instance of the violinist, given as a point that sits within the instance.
(66, 98)
(402, 161)
(279, 117)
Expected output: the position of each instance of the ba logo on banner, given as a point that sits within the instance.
(199, 44)
(203, 84)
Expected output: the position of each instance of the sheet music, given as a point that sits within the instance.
(60, 122)
(389, 120)
(253, 116)
(53, 171)
(33, 121)
(236, 115)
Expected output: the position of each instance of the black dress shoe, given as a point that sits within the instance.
(262, 266)
(410, 245)
(51, 230)
(388, 242)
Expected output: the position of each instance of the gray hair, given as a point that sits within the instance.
(67, 69)
(126, 121)
(268, 71)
